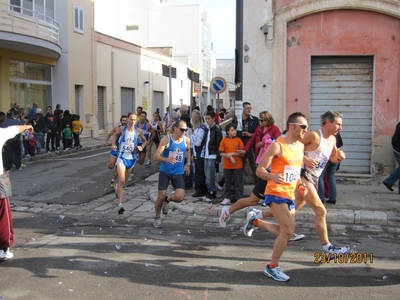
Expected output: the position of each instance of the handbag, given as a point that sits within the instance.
(5, 186)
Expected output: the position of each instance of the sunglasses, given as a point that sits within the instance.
(183, 129)
(302, 126)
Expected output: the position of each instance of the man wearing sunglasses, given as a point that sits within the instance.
(284, 158)
(171, 153)
(319, 148)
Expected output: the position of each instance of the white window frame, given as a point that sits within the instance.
(78, 17)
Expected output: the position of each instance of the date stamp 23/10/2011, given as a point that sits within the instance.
(343, 258)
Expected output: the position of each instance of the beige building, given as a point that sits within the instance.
(50, 54)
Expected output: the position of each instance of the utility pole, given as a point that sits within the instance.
(239, 66)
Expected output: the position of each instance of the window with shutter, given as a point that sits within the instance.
(78, 19)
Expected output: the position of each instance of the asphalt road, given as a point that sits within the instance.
(105, 256)
(59, 259)
(71, 179)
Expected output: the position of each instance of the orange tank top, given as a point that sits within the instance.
(290, 165)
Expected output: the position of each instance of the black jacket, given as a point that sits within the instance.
(214, 141)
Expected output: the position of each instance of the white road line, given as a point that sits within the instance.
(85, 157)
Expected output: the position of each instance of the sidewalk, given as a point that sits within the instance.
(357, 204)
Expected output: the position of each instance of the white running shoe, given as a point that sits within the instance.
(276, 273)
(226, 201)
(334, 249)
(148, 163)
(297, 237)
(225, 215)
(249, 227)
(6, 254)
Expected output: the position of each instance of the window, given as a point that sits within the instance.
(41, 9)
(30, 82)
(78, 19)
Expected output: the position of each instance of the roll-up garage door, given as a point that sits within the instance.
(127, 101)
(100, 107)
(345, 84)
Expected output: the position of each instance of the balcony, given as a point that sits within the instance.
(28, 31)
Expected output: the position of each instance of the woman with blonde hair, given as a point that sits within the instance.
(198, 140)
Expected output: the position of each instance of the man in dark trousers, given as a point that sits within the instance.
(50, 123)
(249, 125)
(395, 176)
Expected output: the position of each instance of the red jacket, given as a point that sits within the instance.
(257, 136)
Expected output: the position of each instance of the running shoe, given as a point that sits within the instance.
(148, 163)
(116, 190)
(225, 215)
(259, 213)
(120, 209)
(6, 254)
(249, 227)
(276, 273)
(165, 206)
(112, 183)
(297, 237)
(226, 201)
(157, 223)
(334, 249)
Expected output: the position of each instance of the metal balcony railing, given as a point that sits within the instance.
(19, 20)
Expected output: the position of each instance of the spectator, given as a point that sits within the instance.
(233, 164)
(249, 125)
(211, 156)
(188, 178)
(50, 124)
(6, 222)
(32, 112)
(77, 128)
(22, 116)
(59, 128)
(15, 108)
(39, 130)
(12, 150)
(3, 116)
(198, 141)
(395, 175)
(267, 127)
(58, 110)
(67, 137)
(29, 141)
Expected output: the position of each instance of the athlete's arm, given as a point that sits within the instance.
(337, 155)
(116, 134)
(187, 165)
(141, 135)
(110, 134)
(272, 151)
(161, 147)
(310, 142)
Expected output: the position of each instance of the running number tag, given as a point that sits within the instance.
(322, 162)
(291, 174)
(177, 154)
(127, 147)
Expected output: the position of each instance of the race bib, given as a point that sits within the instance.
(322, 161)
(291, 174)
(177, 154)
(127, 147)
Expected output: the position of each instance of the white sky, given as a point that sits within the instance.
(221, 14)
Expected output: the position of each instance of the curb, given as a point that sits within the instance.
(337, 216)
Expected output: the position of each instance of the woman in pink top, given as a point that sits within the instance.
(267, 127)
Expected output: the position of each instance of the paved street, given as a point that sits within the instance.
(72, 248)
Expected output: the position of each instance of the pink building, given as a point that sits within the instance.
(340, 55)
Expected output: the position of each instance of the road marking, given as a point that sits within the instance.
(85, 157)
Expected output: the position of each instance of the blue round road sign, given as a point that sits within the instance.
(218, 85)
